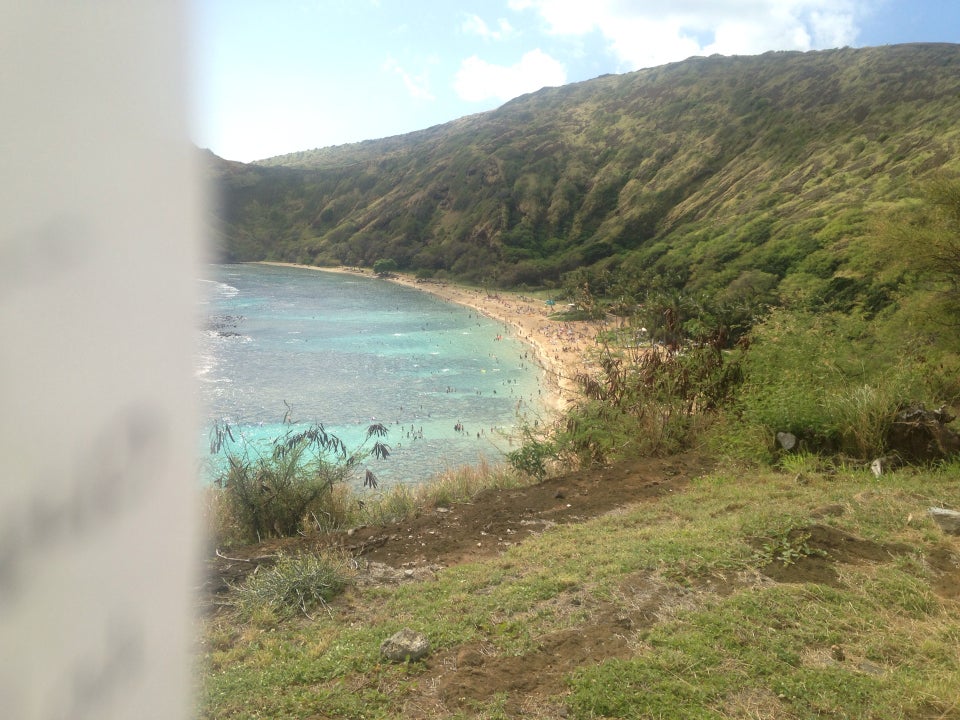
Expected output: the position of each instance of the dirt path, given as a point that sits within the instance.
(493, 521)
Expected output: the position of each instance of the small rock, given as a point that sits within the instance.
(788, 441)
(405, 646)
(948, 520)
(887, 463)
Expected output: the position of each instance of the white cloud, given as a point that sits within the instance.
(478, 80)
(642, 33)
(418, 86)
(476, 25)
(834, 29)
(564, 17)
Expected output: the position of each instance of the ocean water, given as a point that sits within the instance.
(281, 348)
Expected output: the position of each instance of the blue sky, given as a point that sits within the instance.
(278, 76)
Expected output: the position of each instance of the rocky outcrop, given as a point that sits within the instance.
(921, 435)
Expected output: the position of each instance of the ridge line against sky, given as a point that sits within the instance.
(281, 76)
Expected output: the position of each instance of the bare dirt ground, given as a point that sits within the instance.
(440, 537)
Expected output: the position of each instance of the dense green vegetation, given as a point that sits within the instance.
(743, 176)
(834, 372)
(785, 228)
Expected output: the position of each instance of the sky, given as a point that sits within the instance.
(271, 77)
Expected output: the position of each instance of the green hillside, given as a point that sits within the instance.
(723, 174)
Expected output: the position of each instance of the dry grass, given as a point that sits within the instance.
(455, 485)
(343, 507)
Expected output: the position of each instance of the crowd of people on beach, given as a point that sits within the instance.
(561, 347)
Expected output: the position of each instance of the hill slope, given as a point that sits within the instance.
(717, 174)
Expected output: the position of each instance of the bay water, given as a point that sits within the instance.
(281, 348)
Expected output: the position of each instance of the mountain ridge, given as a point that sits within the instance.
(706, 172)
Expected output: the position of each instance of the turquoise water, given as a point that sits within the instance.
(347, 351)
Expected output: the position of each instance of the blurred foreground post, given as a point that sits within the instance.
(98, 253)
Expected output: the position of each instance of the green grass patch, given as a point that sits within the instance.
(802, 648)
(719, 639)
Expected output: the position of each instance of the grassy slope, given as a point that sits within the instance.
(706, 633)
(700, 171)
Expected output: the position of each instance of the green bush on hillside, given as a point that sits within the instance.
(827, 379)
(276, 495)
(649, 398)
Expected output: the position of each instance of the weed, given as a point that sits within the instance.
(455, 485)
(394, 505)
(864, 414)
(494, 709)
(274, 495)
(801, 463)
(787, 548)
(294, 584)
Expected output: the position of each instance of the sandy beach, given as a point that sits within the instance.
(563, 349)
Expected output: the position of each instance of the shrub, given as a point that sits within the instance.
(385, 266)
(535, 454)
(647, 400)
(274, 495)
(827, 380)
(294, 584)
(271, 496)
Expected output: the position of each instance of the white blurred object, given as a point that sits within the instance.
(98, 250)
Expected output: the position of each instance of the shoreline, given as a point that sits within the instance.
(560, 348)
